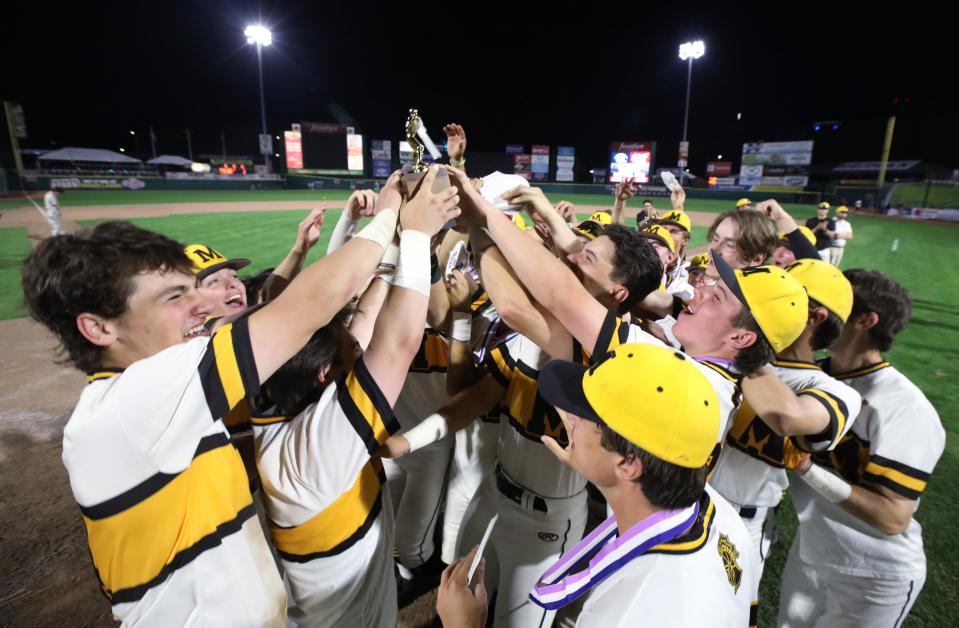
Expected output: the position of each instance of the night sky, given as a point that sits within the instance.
(581, 74)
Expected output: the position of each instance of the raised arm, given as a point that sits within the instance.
(514, 305)
(307, 235)
(361, 203)
(539, 207)
(625, 190)
(798, 244)
(548, 279)
(399, 327)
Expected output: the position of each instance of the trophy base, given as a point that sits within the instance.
(414, 180)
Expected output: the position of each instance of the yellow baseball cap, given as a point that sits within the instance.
(842, 209)
(519, 221)
(824, 205)
(207, 261)
(589, 229)
(743, 201)
(826, 284)
(700, 262)
(806, 231)
(776, 300)
(601, 217)
(661, 235)
(678, 218)
(652, 396)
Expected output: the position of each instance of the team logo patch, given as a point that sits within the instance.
(549, 537)
(730, 555)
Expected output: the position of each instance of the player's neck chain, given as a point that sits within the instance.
(556, 588)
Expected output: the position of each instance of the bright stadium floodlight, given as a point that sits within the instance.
(689, 51)
(260, 36)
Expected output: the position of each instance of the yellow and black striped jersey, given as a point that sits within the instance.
(526, 416)
(424, 391)
(322, 489)
(895, 443)
(752, 466)
(164, 496)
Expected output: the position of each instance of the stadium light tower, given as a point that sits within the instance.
(690, 51)
(260, 36)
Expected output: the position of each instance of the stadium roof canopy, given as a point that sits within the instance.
(89, 155)
(171, 160)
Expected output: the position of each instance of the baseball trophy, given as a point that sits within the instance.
(419, 140)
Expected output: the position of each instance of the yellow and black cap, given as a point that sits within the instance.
(775, 298)
(652, 396)
(207, 260)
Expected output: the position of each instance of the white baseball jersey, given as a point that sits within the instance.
(704, 577)
(526, 416)
(330, 520)
(51, 203)
(165, 500)
(842, 227)
(752, 467)
(895, 442)
(725, 380)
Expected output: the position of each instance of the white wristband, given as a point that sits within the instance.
(344, 230)
(413, 268)
(462, 328)
(832, 487)
(381, 229)
(429, 430)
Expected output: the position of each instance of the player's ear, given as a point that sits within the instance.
(323, 377)
(818, 315)
(99, 331)
(867, 320)
(629, 469)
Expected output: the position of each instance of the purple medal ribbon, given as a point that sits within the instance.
(557, 589)
(729, 364)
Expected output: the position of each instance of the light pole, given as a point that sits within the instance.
(690, 51)
(261, 36)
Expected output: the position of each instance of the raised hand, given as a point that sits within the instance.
(474, 207)
(308, 231)
(428, 211)
(391, 194)
(360, 203)
(625, 190)
(567, 210)
(532, 198)
(456, 141)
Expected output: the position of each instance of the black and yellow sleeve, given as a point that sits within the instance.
(500, 365)
(897, 477)
(838, 417)
(612, 334)
(366, 407)
(228, 370)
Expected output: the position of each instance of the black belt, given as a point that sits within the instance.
(747, 512)
(515, 493)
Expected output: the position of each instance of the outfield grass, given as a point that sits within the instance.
(926, 351)
(14, 247)
(916, 195)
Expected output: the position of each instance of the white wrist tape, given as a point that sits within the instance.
(381, 229)
(413, 267)
(480, 239)
(344, 230)
(832, 487)
(430, 430)
(390, 258)
(462, 328)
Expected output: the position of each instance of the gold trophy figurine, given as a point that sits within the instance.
(412, 127)
(418, 169)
